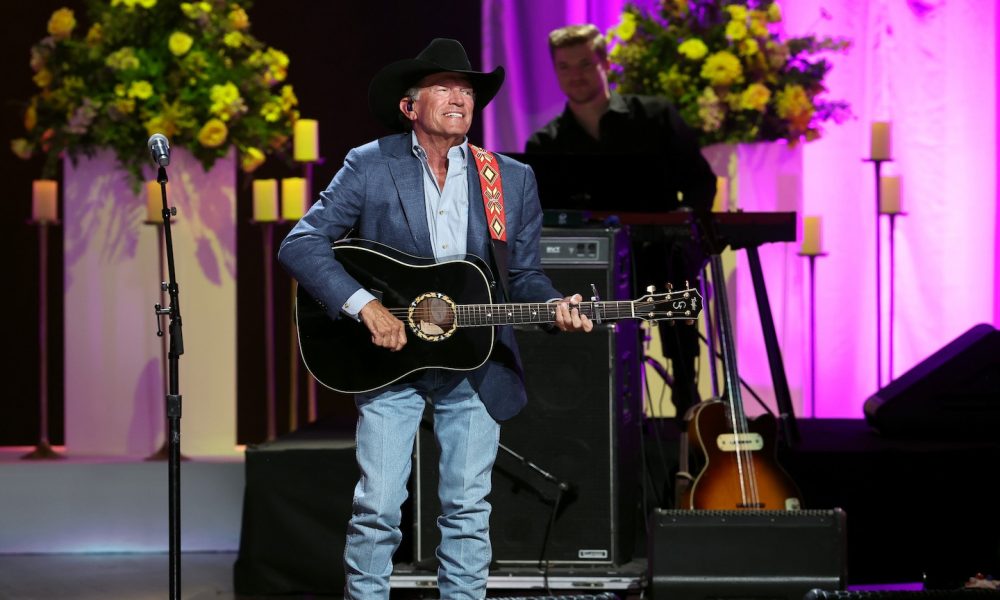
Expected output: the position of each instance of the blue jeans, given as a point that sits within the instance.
(468, 437)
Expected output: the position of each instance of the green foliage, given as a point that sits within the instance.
(189, 70)
(726, 70)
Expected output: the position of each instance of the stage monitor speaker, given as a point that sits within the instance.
(953, 594)
(953, 393)
(764, 555)
(580, 428)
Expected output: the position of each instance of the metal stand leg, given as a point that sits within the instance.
(786, 413)
(43, 450)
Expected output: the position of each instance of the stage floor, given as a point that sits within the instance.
(917, 511)
(204, 576)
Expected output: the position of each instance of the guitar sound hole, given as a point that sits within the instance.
(434, 316)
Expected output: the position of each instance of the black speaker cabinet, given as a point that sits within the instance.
(580, 428)
(953, 393)
(296, 504)
(764, 555)
(950, 594)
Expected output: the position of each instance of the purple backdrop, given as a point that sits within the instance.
(929, 67)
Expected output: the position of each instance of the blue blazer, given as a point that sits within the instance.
(379, 193)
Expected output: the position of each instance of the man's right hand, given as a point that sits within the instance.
(387, 331)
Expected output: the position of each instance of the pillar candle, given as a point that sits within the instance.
(306, 140)
(293, 198)
(881, 140)
(721, 201)
(154, 202)
(889, 197)
(265, 200)
(44, 200)
(812, 235)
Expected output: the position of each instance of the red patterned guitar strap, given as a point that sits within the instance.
(492, 185)
(496, 217)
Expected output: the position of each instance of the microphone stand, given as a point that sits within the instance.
(173, 398)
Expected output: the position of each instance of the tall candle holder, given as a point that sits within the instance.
(892, 287)
(311, 388)
(43, 449)
(878, 265)
(812, 256)
(265, 214)
(267, 245)
(293, 367)
(294, 197)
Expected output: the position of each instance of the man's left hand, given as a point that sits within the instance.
(568, 317)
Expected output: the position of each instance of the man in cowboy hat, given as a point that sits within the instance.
(420, 191)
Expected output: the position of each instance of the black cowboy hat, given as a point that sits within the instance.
(441, 56)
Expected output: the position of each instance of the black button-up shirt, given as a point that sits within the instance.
(638, 125)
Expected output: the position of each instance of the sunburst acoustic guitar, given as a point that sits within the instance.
(740, 467)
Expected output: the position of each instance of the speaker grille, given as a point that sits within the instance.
(580, 428)
(747, 554)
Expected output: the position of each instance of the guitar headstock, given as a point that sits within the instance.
(679, 305)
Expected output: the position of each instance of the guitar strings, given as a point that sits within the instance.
(744, 459)
(611, 310)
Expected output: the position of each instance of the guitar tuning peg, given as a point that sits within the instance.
(650, 289)
(687, 283)
(670, 287)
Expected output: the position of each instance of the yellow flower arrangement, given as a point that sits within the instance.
(189, 70)
(725, 68)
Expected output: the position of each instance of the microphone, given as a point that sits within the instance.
(159, 149)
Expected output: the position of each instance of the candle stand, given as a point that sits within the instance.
(311, 388)
(306, 151)
(43, 449)
(878, 267)
(267, 245)
(812, 256)
(892, 288)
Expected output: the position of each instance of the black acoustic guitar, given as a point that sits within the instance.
(449, 314)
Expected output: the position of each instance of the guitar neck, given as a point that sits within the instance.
(727, 341)
(477, 315)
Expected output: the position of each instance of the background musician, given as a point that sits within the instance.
(597, 120)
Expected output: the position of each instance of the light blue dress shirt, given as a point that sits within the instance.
(447, 210)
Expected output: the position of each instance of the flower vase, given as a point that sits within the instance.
(763, 177)
(115, 386)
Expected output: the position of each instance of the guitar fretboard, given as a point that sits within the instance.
(472, 315)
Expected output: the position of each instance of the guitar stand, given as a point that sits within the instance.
(683, 478)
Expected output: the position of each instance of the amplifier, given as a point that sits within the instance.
(953, 594)
(765, 555)
(580, 426)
